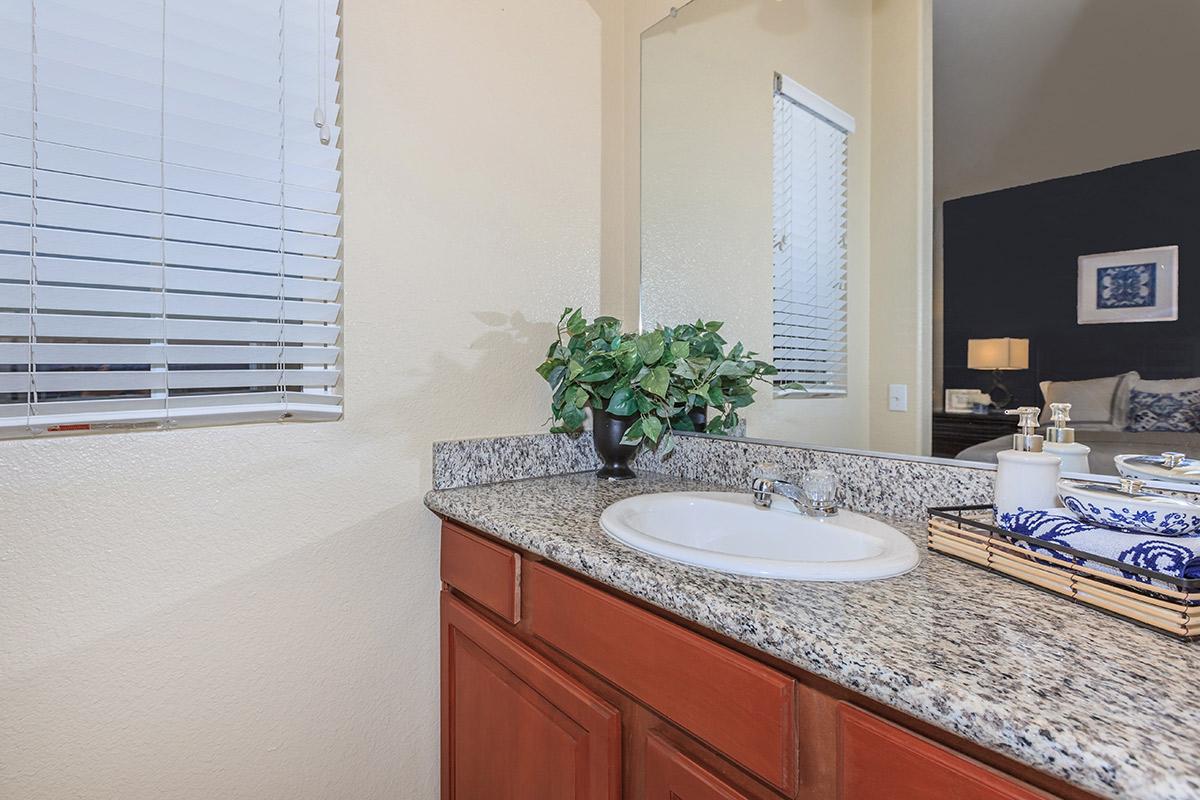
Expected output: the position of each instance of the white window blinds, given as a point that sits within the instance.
(169, 213)
(809, 314)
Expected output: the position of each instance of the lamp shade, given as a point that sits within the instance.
(998, 353)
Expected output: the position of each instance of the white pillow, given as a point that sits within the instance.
(1098, 404)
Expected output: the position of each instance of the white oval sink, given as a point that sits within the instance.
(725, 531)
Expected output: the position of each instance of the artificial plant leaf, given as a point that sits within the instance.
(684, 369)
(656, 381)
(680, 349)
(622, 402)
(652, 427)
(682, 423)
(597, 374)
(650, 346)
(667, 446)
(729, 368)
(573, 417)
(634, 434)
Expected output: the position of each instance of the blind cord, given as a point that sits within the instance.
(31, 395)
(162, 216)
(282, 385)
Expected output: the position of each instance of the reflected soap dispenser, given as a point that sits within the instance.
(1060, 440)
(1026, 476)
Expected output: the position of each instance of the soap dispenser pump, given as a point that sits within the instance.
(1026, 476)
(1060, 440)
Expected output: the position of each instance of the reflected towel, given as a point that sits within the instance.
(1175, 556)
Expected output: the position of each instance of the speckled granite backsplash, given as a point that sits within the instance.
(896, 487)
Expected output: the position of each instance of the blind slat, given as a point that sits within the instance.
(104, 354)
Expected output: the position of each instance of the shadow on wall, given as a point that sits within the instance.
(514, 340)
(772, 17)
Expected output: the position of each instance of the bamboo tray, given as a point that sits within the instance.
(1166, 604)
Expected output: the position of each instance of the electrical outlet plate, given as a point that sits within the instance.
(897, 397)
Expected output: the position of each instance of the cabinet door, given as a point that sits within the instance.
(670, 775)
(516, 727)
(879, 759)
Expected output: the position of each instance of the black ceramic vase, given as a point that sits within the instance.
(699, 418)
(607, 430)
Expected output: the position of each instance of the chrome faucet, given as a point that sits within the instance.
(817, 495)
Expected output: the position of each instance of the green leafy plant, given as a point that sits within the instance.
(657, 376)
(710, 377)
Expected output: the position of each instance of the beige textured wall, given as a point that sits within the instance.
(707, 120)
(201, 614)
(901, 223)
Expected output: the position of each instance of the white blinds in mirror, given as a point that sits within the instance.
(169, 213)
(809, 313)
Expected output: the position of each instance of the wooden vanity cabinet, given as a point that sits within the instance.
(554, 687)
(514, 726)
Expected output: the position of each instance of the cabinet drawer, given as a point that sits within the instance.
(488, 573)
(739, 707)
(879, 759)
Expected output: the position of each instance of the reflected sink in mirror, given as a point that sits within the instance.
(725, 531)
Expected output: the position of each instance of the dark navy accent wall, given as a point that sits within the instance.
(1010, 267)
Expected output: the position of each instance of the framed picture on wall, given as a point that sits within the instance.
(1129, 286)
(965, 401)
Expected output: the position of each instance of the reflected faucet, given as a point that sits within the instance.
(817, 495)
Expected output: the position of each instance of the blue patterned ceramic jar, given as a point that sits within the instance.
(1130, 507)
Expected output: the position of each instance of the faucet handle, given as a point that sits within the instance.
(821, 488)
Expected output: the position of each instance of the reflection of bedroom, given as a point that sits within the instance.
(1065, 229)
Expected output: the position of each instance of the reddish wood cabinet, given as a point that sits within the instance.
(740, 707)
(879, 759)
(671, 775)
(514, 726)
(553, 687)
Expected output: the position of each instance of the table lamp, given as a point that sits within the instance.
(998, 355)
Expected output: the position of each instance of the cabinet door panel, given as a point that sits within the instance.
(670, 775)
(514, 726)
(879, 759)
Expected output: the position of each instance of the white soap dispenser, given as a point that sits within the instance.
(1027, 477)
(1060, 440)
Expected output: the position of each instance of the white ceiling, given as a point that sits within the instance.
(1026, 90)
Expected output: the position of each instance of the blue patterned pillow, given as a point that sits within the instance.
(1178, 412)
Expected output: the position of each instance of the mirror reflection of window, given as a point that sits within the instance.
(809, 245)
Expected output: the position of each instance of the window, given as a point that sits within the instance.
(809, 313)
(169, 213)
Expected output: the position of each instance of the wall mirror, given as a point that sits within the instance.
(931, 212)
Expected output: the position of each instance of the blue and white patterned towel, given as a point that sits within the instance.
(1176, 556)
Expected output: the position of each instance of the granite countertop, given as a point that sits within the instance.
(1096, 701)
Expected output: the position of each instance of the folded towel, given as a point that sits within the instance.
(1175, 556)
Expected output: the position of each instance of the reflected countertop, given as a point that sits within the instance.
(1096, 701)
